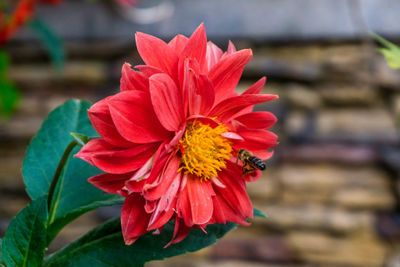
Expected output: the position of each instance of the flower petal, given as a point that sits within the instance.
(165, 207)
(256, 87)
(180, 232)
(213, 55)
(134, 219)
(167, 101)
(114, 159)
(100, 117)
(133, 80)
(134, 117)
(226, 73)
(199, 91)
(227, 109)
(183, 205)
(178, 43)
(234, 193)
(110, 183)
(157, 53)
(167, 177)
(258, 142)
(148, 70)
(159, 219)
(223, 212)
(200, 199)
(231, 48)
(257, 120)
(196, 47)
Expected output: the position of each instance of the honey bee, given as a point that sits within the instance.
(250, 162)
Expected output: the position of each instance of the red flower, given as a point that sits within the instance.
(170, 138)
(22, 14)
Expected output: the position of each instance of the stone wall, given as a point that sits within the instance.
(331, 190)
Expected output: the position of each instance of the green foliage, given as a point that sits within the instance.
(25, 239)
(81, 139)
(259, 213)
(9, 95)
(73, 195)
(1, 253)
(51, 41)
(390, 51)
(105, 245)
(35, 226)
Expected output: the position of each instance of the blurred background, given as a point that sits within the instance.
(331, 192)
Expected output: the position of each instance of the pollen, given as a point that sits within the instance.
(204, 150)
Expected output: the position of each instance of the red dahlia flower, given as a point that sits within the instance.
(170, 138)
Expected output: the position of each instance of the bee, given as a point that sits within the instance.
(250, 162)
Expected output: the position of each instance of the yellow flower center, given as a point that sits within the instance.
(204, 150)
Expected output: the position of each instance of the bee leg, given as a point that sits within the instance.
(244, 168)
(247, 171)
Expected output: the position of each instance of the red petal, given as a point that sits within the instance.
(205, 95)
(178, 43)
(226, 73)
(234, 192)
(110, 183)
(134, 117)
(116, 160)
(231, 48)
(258, 142)
(160, 160)
(180, 232)
(203, 120)
(148, 70)
(199, 92)
(225, 213)
(227, 109)
(213, 55)
(256, 87)
(134, 218)
(167, 101)
(133, 80)
(153, 192)
(254, 176)
(232, 136)
(157, 53)
(150, 206)
(196, 47)
(161, 220)
(132, 186)
(200, 200)
(257, 120)
(99, 115)
(183, 206)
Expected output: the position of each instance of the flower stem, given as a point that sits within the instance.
(59, 169)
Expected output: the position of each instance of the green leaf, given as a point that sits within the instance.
(74, 195)
(80, 138)
(25, 239)
(9, 97)
(51, 41)
(4, 62)
(259, 213)
(2, 263)
(105, 246)
(390, 51)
